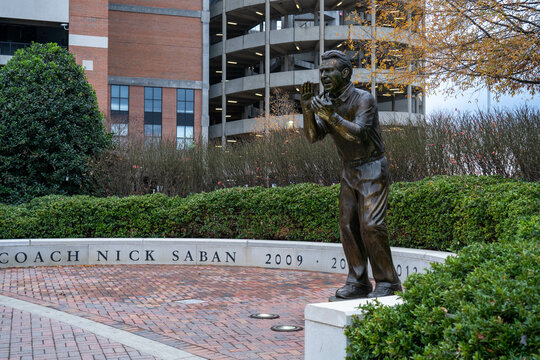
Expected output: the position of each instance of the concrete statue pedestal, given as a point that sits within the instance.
(325, 325)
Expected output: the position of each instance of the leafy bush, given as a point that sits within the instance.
(300, 212)
(50, 125)
(482, 304)
(441, 213)
(450, 212)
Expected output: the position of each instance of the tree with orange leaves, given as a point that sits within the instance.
(469, 43)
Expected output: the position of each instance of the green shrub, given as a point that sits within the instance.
(440, 213)
(50, 125)
(482, 304)
(450, 212)
(300, 212)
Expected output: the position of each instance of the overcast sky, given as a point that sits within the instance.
(477, 100)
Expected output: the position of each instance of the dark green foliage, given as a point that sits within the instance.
(300, 212)
(441, 213)
(449, 212)
(50, 125)
(482, 304)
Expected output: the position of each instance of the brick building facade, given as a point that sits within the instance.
(144, 58)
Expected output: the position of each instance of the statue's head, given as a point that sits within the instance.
(335, 70)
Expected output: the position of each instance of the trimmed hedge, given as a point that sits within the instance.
(442, 213)
(482, 304)
(299, 212)
(450, 212)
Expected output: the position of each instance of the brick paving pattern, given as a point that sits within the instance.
(24, 336)
(142, 300)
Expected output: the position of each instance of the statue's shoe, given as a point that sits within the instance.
(385, 289)
(350, 291)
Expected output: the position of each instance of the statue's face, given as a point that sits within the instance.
(331, 78)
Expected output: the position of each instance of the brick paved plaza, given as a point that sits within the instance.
(142, 300)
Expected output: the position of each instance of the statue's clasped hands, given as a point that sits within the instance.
(321, 105)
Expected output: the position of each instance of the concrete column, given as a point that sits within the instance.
(373, 50)
(223, 73)
(205, 119)
(409, 87)
(267, 60)
(409, 101)
(321, 36)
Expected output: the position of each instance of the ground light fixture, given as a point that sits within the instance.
(264, 316)
(286, 328)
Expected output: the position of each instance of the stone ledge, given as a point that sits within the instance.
(297, 255)
(325, 324)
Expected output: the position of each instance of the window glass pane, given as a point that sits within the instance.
(189, 132)
(189, 107)
(181, 94)
(189, 95)
(122, 129)
(114, 91)
(124, 91)
(115, 104)
(180, 131)
(124, 104)
(148, 105)
(181, 107)
(157, 105)
(157, 93)
(115, 129)
(190, 119)
(147, 93)
(157, 130)
(147, 130)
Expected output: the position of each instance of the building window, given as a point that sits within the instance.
(152, 113)
(120, 110)
(185, 117)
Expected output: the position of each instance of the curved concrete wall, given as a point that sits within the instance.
(296, 35)
(287, 78)
(246, 126)
(295, 255)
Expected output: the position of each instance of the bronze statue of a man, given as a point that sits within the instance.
(350, 116)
